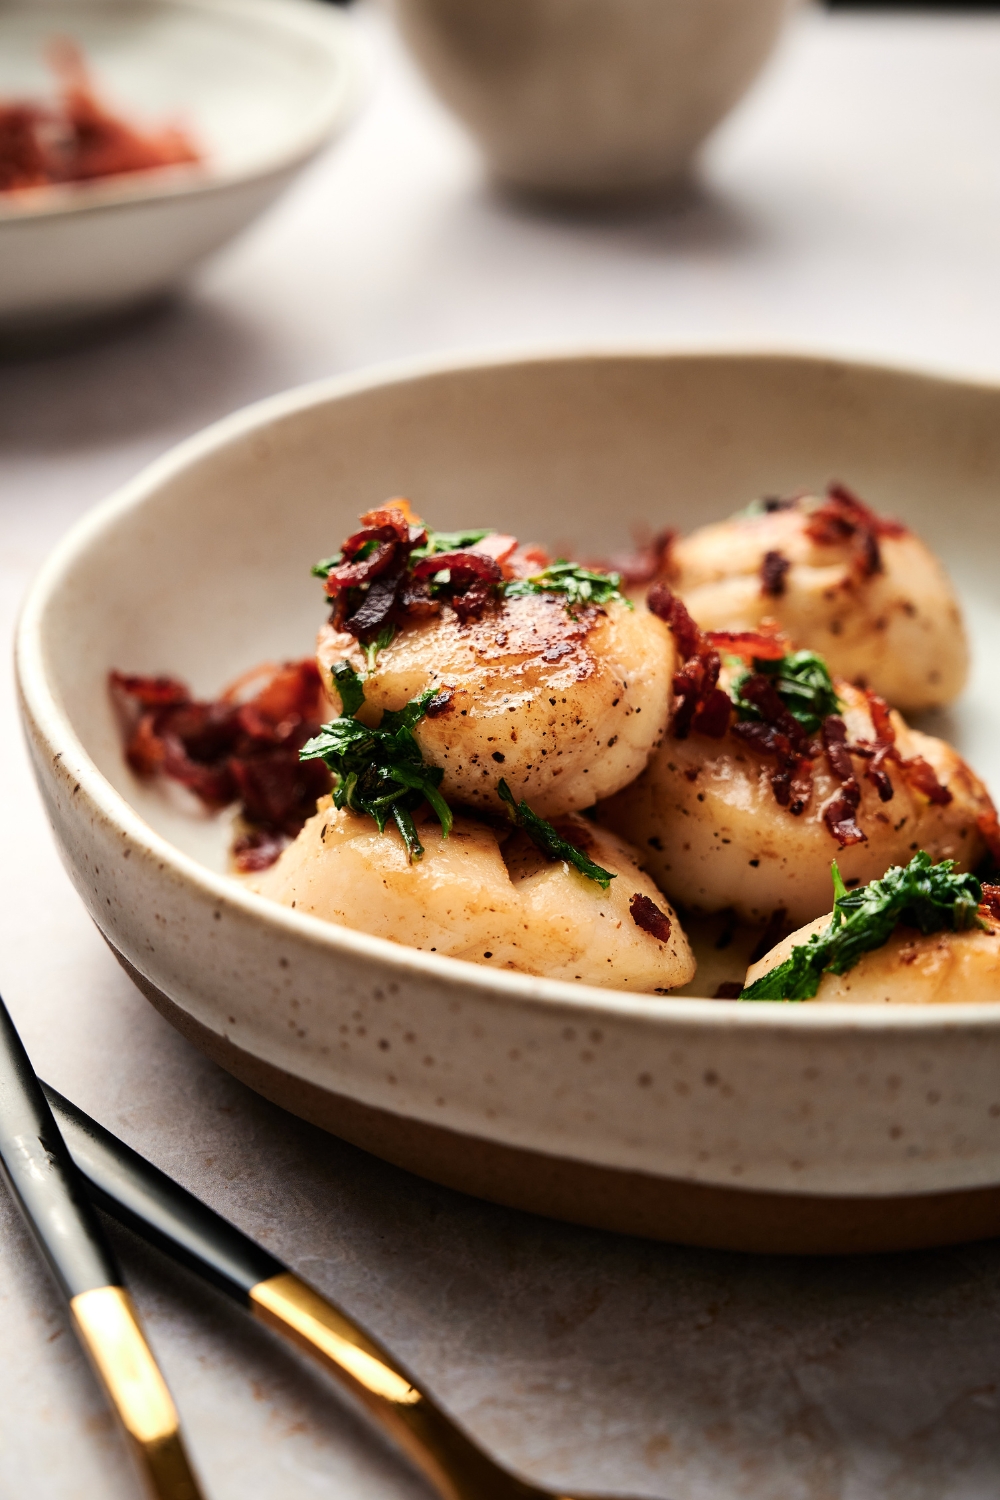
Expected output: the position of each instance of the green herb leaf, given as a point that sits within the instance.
(802, 682)
(350, 687)
(380, 771)
(326, 565)
(324, 568)
(921, 894)
(544, 836)
(385, 637)
(580, 585)
(449, 541)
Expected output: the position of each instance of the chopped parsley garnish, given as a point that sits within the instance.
(449, 541)
(921, 894)
(802, 682)
(580, 585)
(350, 688)
(544, 836)
(380, 771)
(385, 637)
(326, 565)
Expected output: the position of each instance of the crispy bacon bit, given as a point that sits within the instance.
(922, 777)
(834, 734)
(729, 989)
(256, 850)
(701, 704)
(151, 692)
(386, 538)
(801, 789)
(375, 559)
(787, 777)
(773, 570)
(704, 708)
(648, 916)
(651, 559)
(397, 513)
(525, 562)
(376, 607)
(761, 692)
(374, 585)
(416, 600)
(781, 736)
(917, 772)
(695, 687)
(767, 644)
(77, 137)
(471, 583)
(237, 749)
(883, 748)
(990, 903)
(665, 605)
(713, 714)
(885, 734)
(839, 815)
(844, 519)
(502, 549)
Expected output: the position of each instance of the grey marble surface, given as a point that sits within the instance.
(852, 204)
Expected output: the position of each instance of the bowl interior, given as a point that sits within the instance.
(253, 82)
(201, 568)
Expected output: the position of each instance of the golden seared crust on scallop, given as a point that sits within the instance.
(876, 603)
(488, 896)
(565, 706)
(910, 969)
(713, 836)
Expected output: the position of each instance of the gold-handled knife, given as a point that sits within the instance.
(48, 1190)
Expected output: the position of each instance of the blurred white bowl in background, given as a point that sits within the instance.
(590, 97)
(261, 85)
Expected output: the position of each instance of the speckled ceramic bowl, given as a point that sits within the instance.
(262, 85)
(762, 1127)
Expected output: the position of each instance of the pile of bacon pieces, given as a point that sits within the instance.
(702, 707)
(841, 519)
(242, 748)
(375, 584)
(78, 138)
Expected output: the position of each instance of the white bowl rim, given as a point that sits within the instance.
(521, 990)
(321, 24)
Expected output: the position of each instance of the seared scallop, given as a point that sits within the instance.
(489, 896)
(743, 814)
(912, 968)
(863, 591)
(566, 704)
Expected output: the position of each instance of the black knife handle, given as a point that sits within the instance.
(146, 1200)
(43, 1180)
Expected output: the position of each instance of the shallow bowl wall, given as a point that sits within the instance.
(771, 1126)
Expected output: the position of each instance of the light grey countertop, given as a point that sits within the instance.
(852, 205)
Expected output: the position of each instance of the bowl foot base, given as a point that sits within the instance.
(636, 1203)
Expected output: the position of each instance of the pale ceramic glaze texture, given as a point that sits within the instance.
(788, 1098)
(260, 86)
(590, 96)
